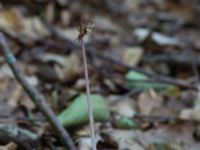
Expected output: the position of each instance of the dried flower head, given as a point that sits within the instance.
(83, 29)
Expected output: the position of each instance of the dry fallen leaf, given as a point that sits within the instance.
(33, 28)
(149, 102)
(50, 12)
(9, 146)
(131, 56)
(125, 107)
(64, 68)
(125, 139)
(159, 38)
(5, 71)
(105, 23)
(192, 113)
(72, 67)
(182, 10)
(26, 28)
(65, 17)
(11, 19)
(15, 96)
(84, 143)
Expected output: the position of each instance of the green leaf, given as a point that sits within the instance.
(77, 112)
(140, 85)
(125, 123)
(160, 146)
(164, 146)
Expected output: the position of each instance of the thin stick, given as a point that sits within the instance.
(163, 119)
(89, 101)
(34, 95)
(193, 59)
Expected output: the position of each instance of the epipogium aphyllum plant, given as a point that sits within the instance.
(83, 29)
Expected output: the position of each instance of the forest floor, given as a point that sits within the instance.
(143, 61)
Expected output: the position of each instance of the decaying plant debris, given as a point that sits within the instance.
(143, 63)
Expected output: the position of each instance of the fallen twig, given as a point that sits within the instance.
(21, 118)
(178, 58)
(35, 96)
(162, 119)
(194, 64)
(22, 137)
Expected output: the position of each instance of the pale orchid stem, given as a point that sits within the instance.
(89, 100)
